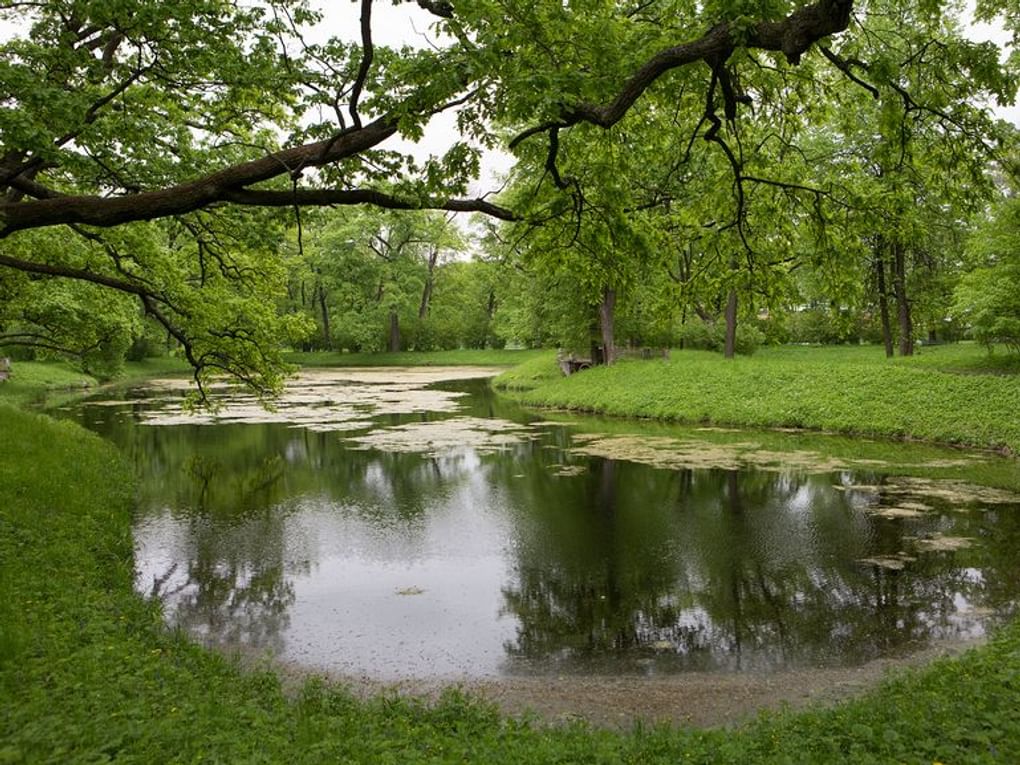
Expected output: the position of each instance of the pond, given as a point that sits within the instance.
(396, 524)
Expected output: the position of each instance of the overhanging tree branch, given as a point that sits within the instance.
(791, 36)
(188, 197)
(329, 197)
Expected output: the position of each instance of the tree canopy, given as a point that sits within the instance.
(160, 137)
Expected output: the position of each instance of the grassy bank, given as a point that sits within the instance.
(35, 381)
(948, 394)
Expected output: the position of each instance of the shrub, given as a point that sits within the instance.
(711, 336)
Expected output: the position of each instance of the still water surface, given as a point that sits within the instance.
(386, 525)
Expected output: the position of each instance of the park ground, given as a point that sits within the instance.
(89, 672)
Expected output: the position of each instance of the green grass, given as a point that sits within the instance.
(88, 672)
(461, 357)
(948, 394)
(35, 382)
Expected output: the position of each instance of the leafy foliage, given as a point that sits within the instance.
(988, 297)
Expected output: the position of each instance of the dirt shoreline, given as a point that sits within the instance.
(693, 699)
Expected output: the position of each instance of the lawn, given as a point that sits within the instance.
(956, 394)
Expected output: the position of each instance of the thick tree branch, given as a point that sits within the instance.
(328, 197)
(187, 197)
(791, 36)
(367, 54)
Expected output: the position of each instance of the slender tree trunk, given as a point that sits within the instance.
(883, 302)
(902, 302)
(426, 293)
(731, 324)
(596, 348)
(327, 335)
(394, 331)
(607, 310)
(426, 297)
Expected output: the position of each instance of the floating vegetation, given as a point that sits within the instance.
(438, 436)
(896, 562)
(411, 591)
(895, 512)
(676, 454)
(951, 491)
(324, 399)
(942, 543)
(919, 506)
(568, 470)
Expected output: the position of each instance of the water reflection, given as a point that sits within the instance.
(284, 540)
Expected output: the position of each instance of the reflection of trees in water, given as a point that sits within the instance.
(623, 567)
(237, 487)
(712, 569)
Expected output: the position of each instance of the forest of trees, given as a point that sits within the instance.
(219, 181)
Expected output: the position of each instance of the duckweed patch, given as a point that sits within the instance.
(436, 437)
(677, 453)
(322, 399)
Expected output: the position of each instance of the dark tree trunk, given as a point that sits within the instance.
(902, 302)
(607, 310)
(933, 336)
(327, 335)
(426, 293)
(883, 303)
(731, 324)
(394, 331)
(426, 297)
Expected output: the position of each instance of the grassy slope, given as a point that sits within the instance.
(950, 394)
(33, 381)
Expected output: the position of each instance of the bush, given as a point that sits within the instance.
(819, 326)
(711, 336)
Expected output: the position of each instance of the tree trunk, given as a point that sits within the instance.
(426, 297)
(902, 302)
(426, 293)
(731, 324)
(606, 310)
(394, 331)
(327, 335)
(883, 302)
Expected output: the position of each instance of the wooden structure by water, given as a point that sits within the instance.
(569, 363)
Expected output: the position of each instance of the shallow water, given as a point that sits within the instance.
(394, 524)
